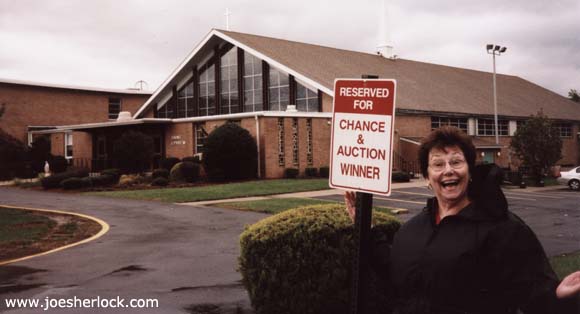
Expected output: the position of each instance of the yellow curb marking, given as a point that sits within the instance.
(530, 193)
(104, 229)
(413, 193)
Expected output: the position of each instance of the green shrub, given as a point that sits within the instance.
(58, 164)
(160, 181)
(311, 172)
(400, 176)
(290, 173)
(194, 159)
(113, 172)
(103, 180)
(169, 162)
(39, 153)
(133, 152)
(54, 180)
(12, 157)
(185, 172)
(160, 173)
(230, 153)
(300, 261)
(73, 183)
(324, 172)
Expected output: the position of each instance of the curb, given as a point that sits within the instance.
(104, 229)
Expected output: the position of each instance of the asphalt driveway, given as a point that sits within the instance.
(183, 256)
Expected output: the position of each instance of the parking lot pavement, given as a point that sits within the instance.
(182, 256)
(553, 213)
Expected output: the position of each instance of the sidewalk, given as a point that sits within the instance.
(414, 183)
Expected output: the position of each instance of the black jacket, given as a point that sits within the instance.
(485, 259)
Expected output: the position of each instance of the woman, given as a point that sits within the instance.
(466, 252)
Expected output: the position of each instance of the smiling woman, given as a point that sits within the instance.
(466, 252)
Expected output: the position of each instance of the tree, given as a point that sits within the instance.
(133, 151)
(573, 95)
(537, 144)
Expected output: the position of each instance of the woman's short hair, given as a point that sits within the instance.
(442, 137)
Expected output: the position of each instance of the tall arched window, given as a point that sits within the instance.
(252, 83)
(207, 90)
(279, 90)
(229, 82)
(306, 99)
(185, 102)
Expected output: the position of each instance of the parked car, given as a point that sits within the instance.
(571, 178)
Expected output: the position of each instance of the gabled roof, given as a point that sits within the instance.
(75, 87)
(420, 86)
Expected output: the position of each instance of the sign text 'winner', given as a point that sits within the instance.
(362, 135)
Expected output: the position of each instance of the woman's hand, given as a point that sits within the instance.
(569, 287)
(350, 201)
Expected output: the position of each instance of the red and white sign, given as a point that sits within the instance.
(362, 135)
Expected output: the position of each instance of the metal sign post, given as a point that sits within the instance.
(360, 271)
(361, 160)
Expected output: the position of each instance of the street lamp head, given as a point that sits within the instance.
(489, 47)
(503, 49)
(496, 48)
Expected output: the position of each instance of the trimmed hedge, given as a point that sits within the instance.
(74, 183)
(300, 261)
(324, 172)
(230, 153)
(311, 172)
(53, 181)
(400, 176)
(290, 173)
(113, 172)
(169, 162)
(185, 171)
(160, 181)
(160, 173)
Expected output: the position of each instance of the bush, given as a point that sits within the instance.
(39, 153)
(185, 172)
(58, 164)
(290, 173)
(300, 261)
(311, 172)
(12, 157)
(113, 172)
(160, 173)
(54, 180)
(194, 159)
(230, 153)
(74, 183)
(169, 162)
(103, 180)
(400, 176)
(160, 181)
(324, 172)
(133, 152)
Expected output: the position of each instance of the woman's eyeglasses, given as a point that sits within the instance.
(440, 165)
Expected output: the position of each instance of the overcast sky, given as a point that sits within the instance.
(114, 43)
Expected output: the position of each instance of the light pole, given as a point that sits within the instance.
(495, 50)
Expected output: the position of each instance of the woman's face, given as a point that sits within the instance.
(448, 174)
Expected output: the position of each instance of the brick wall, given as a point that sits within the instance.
(57, 144)
(179, 140)
(42, 106)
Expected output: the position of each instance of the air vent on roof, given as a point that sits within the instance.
(124, 116)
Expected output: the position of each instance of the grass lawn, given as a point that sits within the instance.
(566, 264)
(277, 205)
(221, 191)
(23, 227)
